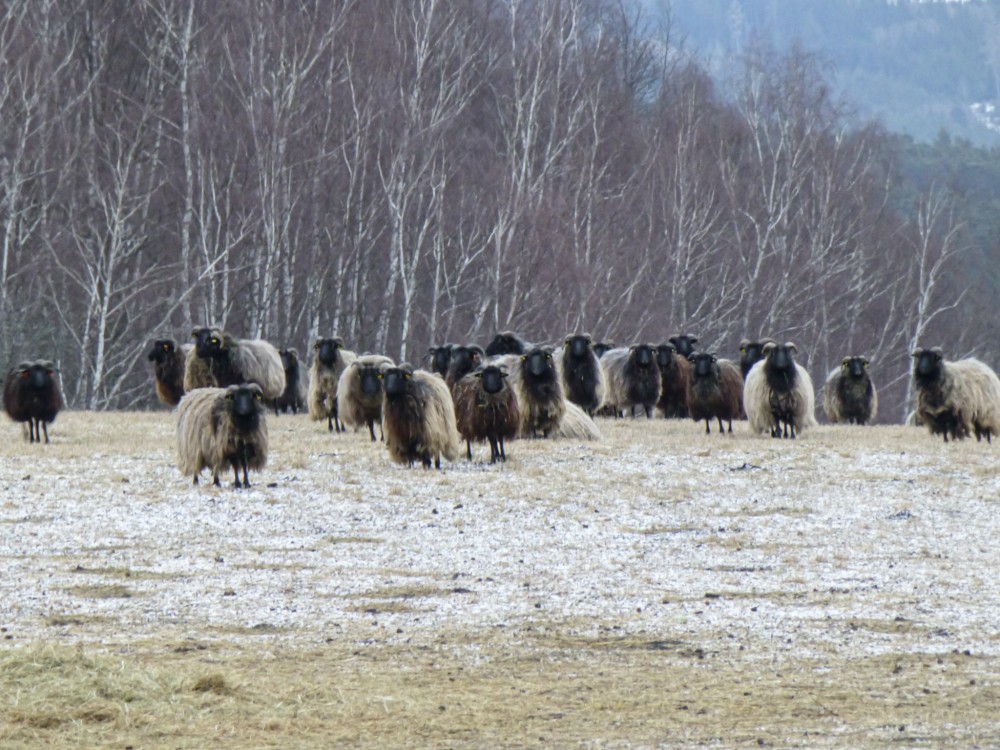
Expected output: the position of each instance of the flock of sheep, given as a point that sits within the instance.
(222, 387)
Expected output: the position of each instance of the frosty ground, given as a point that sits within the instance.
(660, 587)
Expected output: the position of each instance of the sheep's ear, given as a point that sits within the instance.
(938, 352)
(865, 360)
(567, 340)
(524, 357)
(791, 346)
(846, 362)
(692, 339)
(917, 352)
(194, 333)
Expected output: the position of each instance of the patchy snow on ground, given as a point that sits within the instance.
(854, 541)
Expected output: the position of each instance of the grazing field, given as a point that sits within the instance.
(658, 588)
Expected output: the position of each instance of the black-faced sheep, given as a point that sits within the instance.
(486, 409)
(956, 399)
(633, 378)
(684, 344)
(232, 361)
(507, 342)
(849, 394)
(330, 360)
(440, 357)
(752, 352)
(293, 398)
(675, 375)
(778, 395)
(419, 417)
(168, 368)
(581, 372)
(464, 359)
(31, 394)
(359, 393)
(715, 390)
(539, 393)
(219, 428)
(603, 347)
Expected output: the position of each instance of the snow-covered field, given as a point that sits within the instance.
(844, 545)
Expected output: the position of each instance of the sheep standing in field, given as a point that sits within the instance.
(168, 368)
(232, 361)
(294, 396)
(219, 428)
(633, 378)
(359, 392)
(539, 393)
(330, 360)
(778, 395)
(486, 409)
(675, 374)
(31, 394)
(464, 359)
(419, 417)
(507, 342)
(849, 394)
(440, 357)
(715, 390)
(581, 372)
(956, 399)
(752, 352)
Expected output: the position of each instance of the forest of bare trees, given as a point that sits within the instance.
(408, 173)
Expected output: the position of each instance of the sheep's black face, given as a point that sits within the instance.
(395, 381)
(492, 379)
(38, 377)
(537, 363)
(578, 346)
(642, 355)
(245, 404)
(288, 360)
(370, 384)
(441, 358)
(665, 356)
(927, 367)
(684, 344)
(162, 350)
(703, 365)
(855, 367)
(326, 351)
(208, 343)
(464, 359)
(505, 343)
(601, 348)
(781, 358)
(751, 353)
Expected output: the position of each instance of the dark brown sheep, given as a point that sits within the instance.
(715, 391)
(486, 409)
(31, 394)
(675, 375)
(168, 368)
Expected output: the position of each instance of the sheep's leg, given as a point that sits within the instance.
(468, 449)
(31, 429)
(371, 429)
(503, 452)
(329, 424)
(730, 427)
(45, 429)
(722, 431)
(215, 479)
(236, 475)
(494, 450)
(708, 430)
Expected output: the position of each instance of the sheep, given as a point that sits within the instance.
(675, 374)
(684, 344)
(440, 357)
(464, 359)
(633, 378)
(539, 392)
(294, 396)
(232, 361)
(219, 428)
(752, 352)
(849, 394)
(359, 392)
(581, 373)
(603, 347)
(330, 360)
(507, 343)
(168, 369)
(31, 393)
(576, 424)
(778, 394)
(419, 417)
(956, 399)
(715, 390)
(486, 409)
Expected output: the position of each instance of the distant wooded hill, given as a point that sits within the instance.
(917, 67)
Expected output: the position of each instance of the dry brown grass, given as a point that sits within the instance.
(400, 654)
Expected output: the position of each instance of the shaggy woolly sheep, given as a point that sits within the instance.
(464, 359)
(330, 360)
(168, 368)
(714, 391)
(419, 417)
(581, 372)
(295, 394)
(233, 361)
(219, 428)
(359, 392)
(31, 394)
(486, 409)
(752, 352)
(956, 399)
(849, 394)
(539, 393)
(633, 378)
(675, 374)
(778, 395)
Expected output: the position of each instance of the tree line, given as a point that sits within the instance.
(408, 173)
